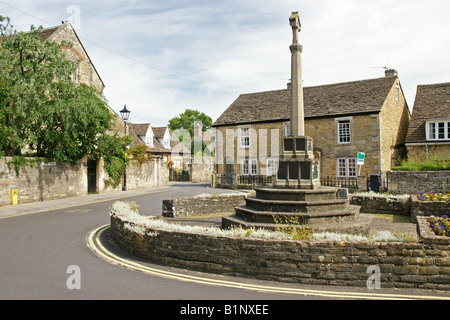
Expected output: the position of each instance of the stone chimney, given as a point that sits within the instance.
(390, 73)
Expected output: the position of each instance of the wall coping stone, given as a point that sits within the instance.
(423, 264)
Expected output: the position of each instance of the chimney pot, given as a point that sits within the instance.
(391, 73)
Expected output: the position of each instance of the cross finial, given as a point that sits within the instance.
(294, 21)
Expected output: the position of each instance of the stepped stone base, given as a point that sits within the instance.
(319, 209)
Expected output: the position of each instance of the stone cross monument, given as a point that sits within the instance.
(297, 113)
(297, 166)
(296, 191)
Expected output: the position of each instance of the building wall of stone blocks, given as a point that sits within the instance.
(265, 142)
(380, 136)
(394, 121)
(364, 138)
(429, 152)
(87, 74)
(267, 137)
(202, 168)
(86, 70)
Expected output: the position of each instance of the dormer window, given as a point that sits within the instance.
(149, 141)
(166, 143)
(438, 130)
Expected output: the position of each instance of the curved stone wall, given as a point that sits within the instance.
(407, 265)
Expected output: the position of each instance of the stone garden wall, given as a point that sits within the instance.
(203, 204)
(381, 204)
(40, 181)
(402, 265)
(428, 208)
(414, 182)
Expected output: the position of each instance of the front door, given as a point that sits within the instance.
(92, 175)
(229, 173)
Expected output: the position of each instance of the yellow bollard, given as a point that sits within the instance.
(14, 196)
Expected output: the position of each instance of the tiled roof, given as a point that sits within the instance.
(46, 33)
(432, 102)
(365, 96)
(139, 130)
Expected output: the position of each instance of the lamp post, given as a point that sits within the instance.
(125, 114)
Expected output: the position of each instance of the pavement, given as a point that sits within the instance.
(32, 207)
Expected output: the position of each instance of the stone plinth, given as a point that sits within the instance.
(319, 208)
(297, 166)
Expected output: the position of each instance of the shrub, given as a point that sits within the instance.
(425, 165)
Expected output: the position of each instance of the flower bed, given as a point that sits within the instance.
(434, 196)
(440, 225)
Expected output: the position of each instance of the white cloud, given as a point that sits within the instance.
(166, 56)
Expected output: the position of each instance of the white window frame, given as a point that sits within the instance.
(245, 137)
(253, 167)
(272, 167)
(245, 169)
(435, 128)
(287, 129)
(149, 141)
(177, 163)
(346, 167)
(166, 143)
(249, 167)
(344, 131)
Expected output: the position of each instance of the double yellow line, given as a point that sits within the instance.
(95, 245)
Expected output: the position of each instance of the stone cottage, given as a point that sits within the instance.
(344, 119)
(85, 72)
(161, 141)
(429, 131)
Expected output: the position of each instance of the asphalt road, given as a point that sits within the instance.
(38, 248)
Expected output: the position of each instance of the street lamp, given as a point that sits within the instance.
(125, 114)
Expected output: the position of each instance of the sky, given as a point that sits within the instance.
(160, 58)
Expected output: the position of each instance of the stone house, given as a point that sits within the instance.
(55, 180)
(85, 72)
(429, 131)
(344, 119)
(161, 141)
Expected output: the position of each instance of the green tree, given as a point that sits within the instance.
(112, 149)
(187, 119)
(183, 127)
(41, 109)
